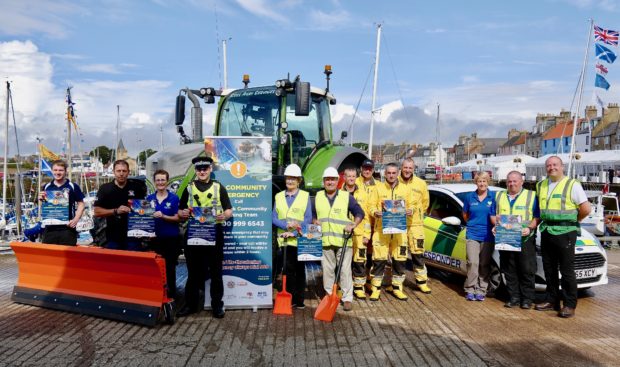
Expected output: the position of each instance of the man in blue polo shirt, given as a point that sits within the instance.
(63, 233)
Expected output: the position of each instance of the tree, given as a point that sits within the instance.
(143, 155)
(105, 153)
(362, 146)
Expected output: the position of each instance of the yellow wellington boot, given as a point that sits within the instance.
(397, 291)
(359, 292)
(375, 289)
(424, 288)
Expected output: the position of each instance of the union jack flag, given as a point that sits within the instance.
(601, 69)
(606, 36)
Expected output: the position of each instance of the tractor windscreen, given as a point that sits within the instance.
(256, 112)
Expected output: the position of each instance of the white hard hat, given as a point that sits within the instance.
(292, 170)
(330, 172)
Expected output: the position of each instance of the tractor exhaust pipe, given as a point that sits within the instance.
(196, 117)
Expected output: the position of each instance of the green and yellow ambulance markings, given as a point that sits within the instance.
(444, 245)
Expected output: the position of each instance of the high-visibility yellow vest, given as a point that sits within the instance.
(295, 212)
(333, 218)
(557, 210)
(205, 199)
(523, 206)
(363, 199)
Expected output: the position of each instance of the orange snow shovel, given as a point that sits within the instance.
(327, 308)
(283, 304)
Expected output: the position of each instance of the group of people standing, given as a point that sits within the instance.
(112, 205)
(354, 211)
(555, 208)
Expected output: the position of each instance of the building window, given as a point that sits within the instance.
(587, 140)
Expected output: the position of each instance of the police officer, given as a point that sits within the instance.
(396, 244)
(63, 234)
(333, 210)
(205, 193)
(563, 204)
(519, 267)
(291, 209)
(361, 234)
(415, 223)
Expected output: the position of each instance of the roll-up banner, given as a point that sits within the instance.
(243, 166)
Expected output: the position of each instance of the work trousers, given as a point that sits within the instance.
(329, 262)
(295, 272)
(478, 266)
(519, 269)
(169, 248)
(396, 246)
(202, 261)
(359, 261)
(558, 251)
(59, 235)
(416, 246)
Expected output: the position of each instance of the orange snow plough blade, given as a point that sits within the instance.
(120, 285)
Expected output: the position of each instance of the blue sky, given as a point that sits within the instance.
(492, 65)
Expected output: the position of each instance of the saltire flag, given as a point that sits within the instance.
(601, 82)
(605, 54)
(601, 69)
(606, 36)
(48, 154)
(599, 101)
(46, 168)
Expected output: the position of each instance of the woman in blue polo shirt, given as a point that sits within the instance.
(166, 243)
(479, 213)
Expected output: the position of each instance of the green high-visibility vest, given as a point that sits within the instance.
(295, 212)
(333, 218)
(523, 206)
(557, 209)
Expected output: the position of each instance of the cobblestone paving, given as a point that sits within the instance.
(441, 329)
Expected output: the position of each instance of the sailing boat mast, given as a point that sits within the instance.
(581, 82)
(69, 118)
(6, 152)
(439, 149)
(374, 90)
(118, 127)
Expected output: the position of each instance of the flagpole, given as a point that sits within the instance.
(69, 164)
(39, 176)
(374, 91)
(6, 152)
(581, 83)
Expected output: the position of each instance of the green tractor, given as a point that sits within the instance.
(293, 113)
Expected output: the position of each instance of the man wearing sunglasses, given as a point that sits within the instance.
(210, 194)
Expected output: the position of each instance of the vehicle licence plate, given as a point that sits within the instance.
(585, 273)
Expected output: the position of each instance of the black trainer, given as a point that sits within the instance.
(512, 303)
(219, 314)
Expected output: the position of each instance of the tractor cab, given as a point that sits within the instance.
(267, 111)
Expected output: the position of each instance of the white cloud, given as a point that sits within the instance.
(40, 105)
(51, 18)
(470, 79)
(326, 21)
(100, 68)
(263, 9)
